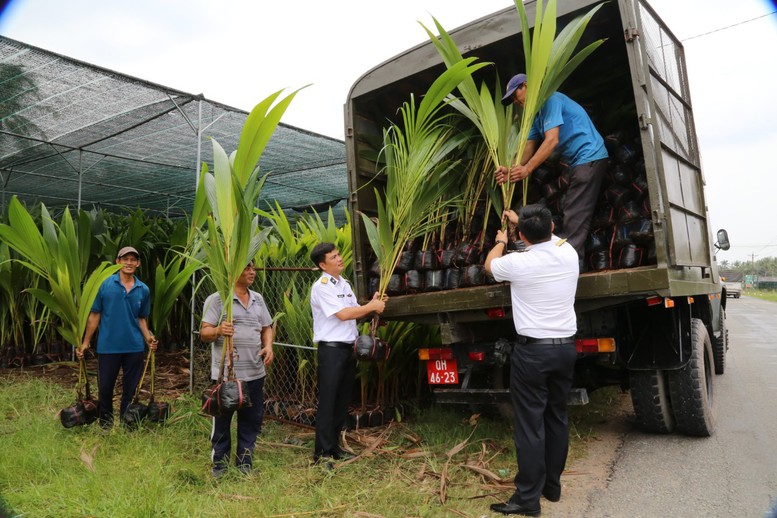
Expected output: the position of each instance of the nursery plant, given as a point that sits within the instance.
(418, 169)
(549, 61)
(60, 256)
(224, 223)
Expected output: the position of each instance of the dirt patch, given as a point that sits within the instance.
(590, 474)
(171, 379)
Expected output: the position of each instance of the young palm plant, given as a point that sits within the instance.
(60, 256)
(549, 62)
(227, 230)
(418, 167)
(492, 119)
(170, 279)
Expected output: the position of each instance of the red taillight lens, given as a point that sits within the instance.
(595, 345)
(495, 313)
(477, 356)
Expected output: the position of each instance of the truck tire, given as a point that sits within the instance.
(652, 405)
(690, 388)
(720, 345)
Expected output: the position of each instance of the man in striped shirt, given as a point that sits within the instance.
(252, 334)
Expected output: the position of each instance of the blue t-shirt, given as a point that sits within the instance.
(119, 330)
(578, 140)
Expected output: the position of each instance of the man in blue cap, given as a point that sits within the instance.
(564, 125)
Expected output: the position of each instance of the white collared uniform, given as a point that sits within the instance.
(327, 297)
(543, 282)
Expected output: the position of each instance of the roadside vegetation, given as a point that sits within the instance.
(769, 295)
(407, 468)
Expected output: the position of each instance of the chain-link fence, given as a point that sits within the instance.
(290, 386)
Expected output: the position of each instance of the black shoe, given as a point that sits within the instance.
(551, 495)
(511, 508)
(245, 469)
(218, 471)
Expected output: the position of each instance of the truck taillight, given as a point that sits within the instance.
(595, 345)
(495, 313)
(440, 353)
(477, 356)
(667, 302)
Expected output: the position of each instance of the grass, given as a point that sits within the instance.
(46, 470)
(769, 295)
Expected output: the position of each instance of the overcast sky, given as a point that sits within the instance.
(238, 52)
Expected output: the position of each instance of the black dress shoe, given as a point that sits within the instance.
(511, 508)
(551, 495)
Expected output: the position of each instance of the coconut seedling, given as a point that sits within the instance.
(485, 111)
(418, 168)
(225, 233)
(60, 256)
(549, 62)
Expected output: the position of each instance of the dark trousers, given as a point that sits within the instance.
(540, 381)
(108, 366)
(249, 424)
(336, 374)
(580, 201)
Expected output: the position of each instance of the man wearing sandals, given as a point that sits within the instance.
(252, 336)
(120, 311)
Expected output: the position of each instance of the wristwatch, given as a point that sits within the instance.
(502, 241)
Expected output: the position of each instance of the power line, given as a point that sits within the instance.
(730, 26)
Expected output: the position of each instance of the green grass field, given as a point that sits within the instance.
(46, 470)
(761, 294)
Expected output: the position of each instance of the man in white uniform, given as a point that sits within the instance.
(543, 282)
(335, 311)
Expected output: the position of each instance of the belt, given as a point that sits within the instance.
(336, 345)
(528, 340)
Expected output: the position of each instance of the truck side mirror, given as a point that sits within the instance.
(722, 243)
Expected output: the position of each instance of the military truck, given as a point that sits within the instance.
(657, 327)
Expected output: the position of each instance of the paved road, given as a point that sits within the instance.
(732, 473)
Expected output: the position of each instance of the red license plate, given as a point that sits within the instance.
(442, 372)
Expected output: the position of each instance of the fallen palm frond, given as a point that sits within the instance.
(444, 475)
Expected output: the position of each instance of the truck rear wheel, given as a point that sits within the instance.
(720, 345)
(650, 396)
(691, 386)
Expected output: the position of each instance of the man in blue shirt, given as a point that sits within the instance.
(564, 125)
(120, 311)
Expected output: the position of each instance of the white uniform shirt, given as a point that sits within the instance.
(543, 282)
(327, 297)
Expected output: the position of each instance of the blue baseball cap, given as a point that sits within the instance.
(512, 85)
